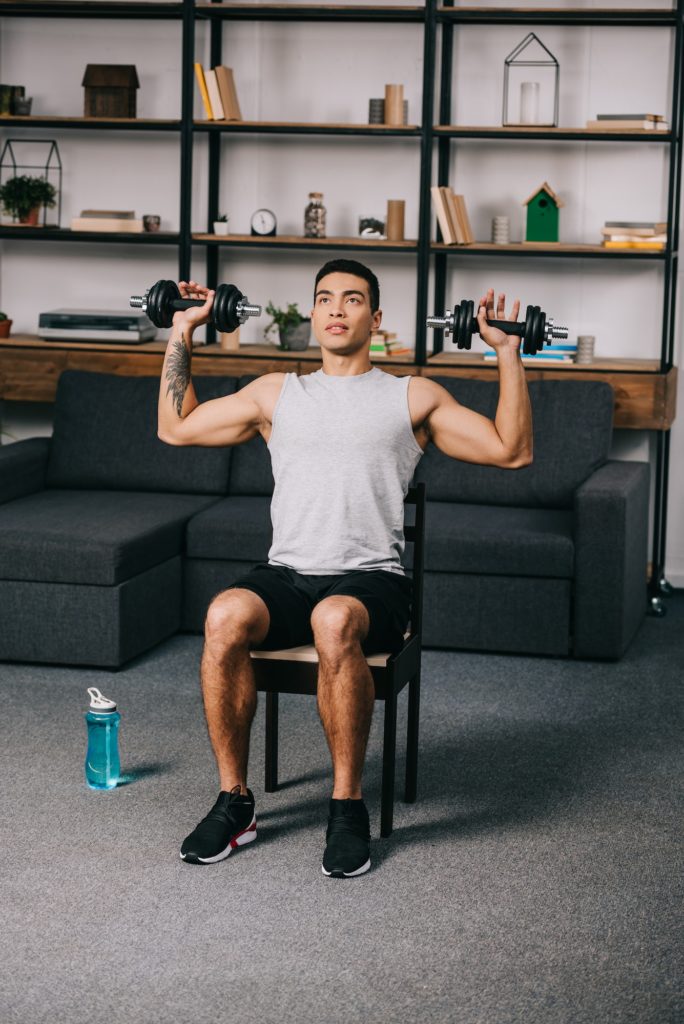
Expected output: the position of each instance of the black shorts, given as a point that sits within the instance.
(290, 597)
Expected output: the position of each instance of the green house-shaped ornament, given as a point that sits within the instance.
(542, 215)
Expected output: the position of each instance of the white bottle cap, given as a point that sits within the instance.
(98, 702)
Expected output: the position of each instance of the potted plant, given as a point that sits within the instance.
(221, 224)
(294, 330)
(5, 325)
(23, 197)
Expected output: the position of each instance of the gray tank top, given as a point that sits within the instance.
(343, 455)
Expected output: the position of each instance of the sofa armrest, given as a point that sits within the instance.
(22, 467)
(611, 553)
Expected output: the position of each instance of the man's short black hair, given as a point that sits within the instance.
(358, 269)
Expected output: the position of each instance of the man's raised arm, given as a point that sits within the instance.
(182, 420)
(505, 441)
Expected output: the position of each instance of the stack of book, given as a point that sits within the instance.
(635, 234)
(551, 355)
(452, 216)
(107, 220)
(622, 122)
(219, 96)
(384, 343)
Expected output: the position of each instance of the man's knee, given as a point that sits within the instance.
(339, 620)
(236, 616)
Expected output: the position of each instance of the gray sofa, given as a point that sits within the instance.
(111, 541)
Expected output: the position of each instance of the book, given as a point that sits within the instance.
(654, 126)
(617, 237)
(226, 84)
(456, 223)
(110, 214)
(645, 244)
(465, 221)
(636, 227)
(542, 358)
(214, 94)
(106, 224)
(449, 201)
(441, 214)
(558, 348)
(630, 117)
(199, 74)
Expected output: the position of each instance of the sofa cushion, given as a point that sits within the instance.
(105, 436)
(66, 536)
(250, 467)
(238, 527)
(22, 467)
(572, 423)
(491, 540)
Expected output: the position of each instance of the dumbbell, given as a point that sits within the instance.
(536, 331)
(231, 308)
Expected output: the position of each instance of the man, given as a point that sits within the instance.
(344, 443)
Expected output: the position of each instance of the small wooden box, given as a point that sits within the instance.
(110, 90)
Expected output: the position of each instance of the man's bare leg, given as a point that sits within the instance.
(346, 694)
(346, 691)
(235, 619)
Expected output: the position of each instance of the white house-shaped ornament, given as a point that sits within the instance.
(530, 94)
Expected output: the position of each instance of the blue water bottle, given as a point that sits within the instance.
(102, 765)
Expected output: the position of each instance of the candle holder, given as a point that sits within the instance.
(530, 98)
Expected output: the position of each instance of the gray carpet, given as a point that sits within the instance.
(538, 879)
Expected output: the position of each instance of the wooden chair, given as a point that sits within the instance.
(295, 670)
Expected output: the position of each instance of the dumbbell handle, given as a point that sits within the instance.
(507, 326)
(244, 309)
(138, 302)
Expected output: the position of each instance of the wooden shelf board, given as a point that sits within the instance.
(158, 347)
(331, 242)
(33, 341)
(306, 125)
(84, 9)
(55, 234)
(544, 247)
(613, 364)
(315, 10)
(506, 13)
(77, 122)
(547, 130)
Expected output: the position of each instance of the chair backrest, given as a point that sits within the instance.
(414, 533)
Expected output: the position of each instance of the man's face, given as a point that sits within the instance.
(342, 318)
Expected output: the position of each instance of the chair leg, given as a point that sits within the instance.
(388, 759)
(271, 781)
(412, 740)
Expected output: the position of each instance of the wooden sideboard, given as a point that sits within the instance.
(645, 398)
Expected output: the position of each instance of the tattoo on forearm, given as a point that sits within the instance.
(178, 373)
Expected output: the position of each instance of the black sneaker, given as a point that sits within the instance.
(347, 852)
(230, 823)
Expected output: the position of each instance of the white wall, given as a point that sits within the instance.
(327, 72)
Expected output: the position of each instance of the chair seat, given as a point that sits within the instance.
(307, 652)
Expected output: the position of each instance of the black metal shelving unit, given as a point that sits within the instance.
(218, 14)
(439, 21)
(450, 19)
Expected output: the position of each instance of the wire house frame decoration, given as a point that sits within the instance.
(536, 95)
(17, 158)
